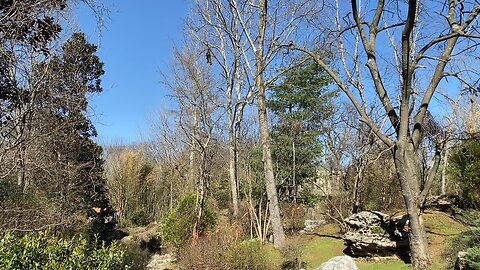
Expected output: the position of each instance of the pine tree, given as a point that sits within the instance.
(300, 102)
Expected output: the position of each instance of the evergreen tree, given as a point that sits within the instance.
(62, 167)
(71, 77)
(300, 102)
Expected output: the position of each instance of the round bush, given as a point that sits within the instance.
(178, 226)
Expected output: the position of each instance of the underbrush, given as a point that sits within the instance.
(223, 249)
(136, 258)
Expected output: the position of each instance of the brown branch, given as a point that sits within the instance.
(326, 235)
(431, 177)
(364, 117)
(439, 73)
(406, 70)
(369, 47)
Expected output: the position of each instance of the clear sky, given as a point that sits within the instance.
(135, 45)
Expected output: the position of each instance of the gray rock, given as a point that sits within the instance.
(444, 203)
(339, 263)
(369, 244)
(375, 234)
(144, 238)
(366, 220)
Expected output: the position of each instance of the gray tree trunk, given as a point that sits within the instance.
(407, 167)
(271, 187)
(277, 225)
(232, 170)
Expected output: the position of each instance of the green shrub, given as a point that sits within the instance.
(467, 241)
(309, 198)
(473, 257)
(464, 165)
(179, 224)
(249, 255)
(41, 251)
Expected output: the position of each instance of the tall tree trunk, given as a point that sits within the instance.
(193, 175)
(238, 125)
(294, 180)
(277, 226)
(232, 156)
(202, 193)
(232, 170)
(21, 179)
(407, 167)
(20, 130)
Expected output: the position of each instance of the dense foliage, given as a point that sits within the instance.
(55, 162)
(300, 103)
(180, 224)
(464, 169)
(41, 251)
(131, 183)
(468, 241)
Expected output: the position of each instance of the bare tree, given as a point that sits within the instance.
(166, 148)
(217, 29)
(263, 27)
(421, 60)
(198, 117)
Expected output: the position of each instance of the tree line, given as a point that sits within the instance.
(308, 96)
(277, 104)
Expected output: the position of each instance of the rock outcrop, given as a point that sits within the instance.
(339, 263)
(375, 234)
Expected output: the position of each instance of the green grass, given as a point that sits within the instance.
(320, 249)
(441, 224)
(274, 255)
(393, 265)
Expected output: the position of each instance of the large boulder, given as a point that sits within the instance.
(365, 220)
(369, 245)
(374, 234)
(339, 263)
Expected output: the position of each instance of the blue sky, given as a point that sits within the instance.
(135, 45)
